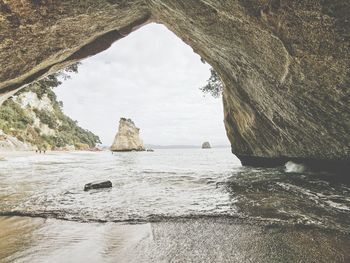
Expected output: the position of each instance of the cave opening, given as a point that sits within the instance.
(152, 77)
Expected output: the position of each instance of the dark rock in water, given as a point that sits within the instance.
(150, 150)
(206, 145)
(98, 185)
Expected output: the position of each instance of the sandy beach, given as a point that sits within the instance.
(24, 239)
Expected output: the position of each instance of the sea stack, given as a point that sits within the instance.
(127, 138)
(206, 145)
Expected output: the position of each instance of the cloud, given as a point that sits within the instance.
(152, 77)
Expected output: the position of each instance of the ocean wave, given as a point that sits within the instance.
(229, 218)
(291, 167)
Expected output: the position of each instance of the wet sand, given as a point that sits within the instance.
(24, 239)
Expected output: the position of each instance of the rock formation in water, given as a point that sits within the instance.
(206, 145)
(284, 64)
(127, 138)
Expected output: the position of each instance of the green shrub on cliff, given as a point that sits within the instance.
(13, 117)
(19, 122)
(47, 118)
(214, 85)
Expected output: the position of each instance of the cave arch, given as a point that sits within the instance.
(285, 65)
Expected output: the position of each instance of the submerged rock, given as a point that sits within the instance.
(127, 138)
(206, 145)
(98, 185)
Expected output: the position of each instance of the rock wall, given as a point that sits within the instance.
(29, 102)
(10, 143)
(127, 138)
(284, 64)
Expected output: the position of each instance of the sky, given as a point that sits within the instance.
(152, 77)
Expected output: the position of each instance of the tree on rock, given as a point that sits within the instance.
(214, 85)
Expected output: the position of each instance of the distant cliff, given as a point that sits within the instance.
(33, 119)
(127, 138)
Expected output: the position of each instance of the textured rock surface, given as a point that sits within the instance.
(35, 116)
(206, 145)
(29, 101)
(98, 185)
(10, 143)
(284, 64)
(127, 138)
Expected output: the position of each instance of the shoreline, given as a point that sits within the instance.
(29, 153)
(27, 239)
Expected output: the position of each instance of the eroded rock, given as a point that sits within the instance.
(127, 138)
(10, 143)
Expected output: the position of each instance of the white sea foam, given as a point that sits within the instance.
(338, 205)
(291, 167)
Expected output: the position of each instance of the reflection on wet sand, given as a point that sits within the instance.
(24, 239)
(16, 234)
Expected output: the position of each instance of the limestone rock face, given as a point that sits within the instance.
(10, 143)
(285, 65)
(29, 101)
(127, 138)
(206, 145)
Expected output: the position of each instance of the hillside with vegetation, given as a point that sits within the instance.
(34, 117)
